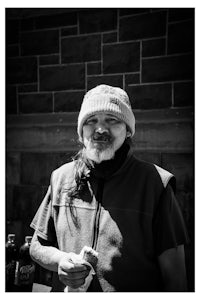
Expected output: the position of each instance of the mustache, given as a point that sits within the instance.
(102, 137)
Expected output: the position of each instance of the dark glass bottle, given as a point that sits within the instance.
(25, 268)
(11, 258)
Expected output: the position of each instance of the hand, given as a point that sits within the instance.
(71, 270)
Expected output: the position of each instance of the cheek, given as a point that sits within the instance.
(87, 132)
(119, 132)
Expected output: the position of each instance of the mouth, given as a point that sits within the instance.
(104, 139)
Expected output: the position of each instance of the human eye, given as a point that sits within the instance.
(113, 120)
(90, 121)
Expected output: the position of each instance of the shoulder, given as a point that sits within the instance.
(156, 173)
(64, 172)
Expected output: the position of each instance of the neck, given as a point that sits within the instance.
(109, 167)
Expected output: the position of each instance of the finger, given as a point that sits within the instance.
(75, 283)
(74, 275)
(71, 267)
(71, 282)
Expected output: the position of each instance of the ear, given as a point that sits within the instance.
(128, 134)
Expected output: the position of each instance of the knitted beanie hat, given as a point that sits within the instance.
(108, 99)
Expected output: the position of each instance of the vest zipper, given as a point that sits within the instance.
(98, 213)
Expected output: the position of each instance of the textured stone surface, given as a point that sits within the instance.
(27, 88)
(153, 47)
(69, 31)
(114, 80)
(40, 42)
(132, 11)
(27, 24)
(37, 167)
(35, 103)
(142, 26)
(184, 94)
(68, 101)
(13, 168)
(154, 158)
(81, 49)
(12, 31)
(94, 68)
(56, 20)
(62, 77)
(21, 70)
(12, 50)
(118, 58)
(11, 100)
(181, 37)
(164, 136)
(110, 37)
(42, 138)
(150, 96)
(179, 14)
(49, 59)
(132, 78)
(168, 68)
(95, 20)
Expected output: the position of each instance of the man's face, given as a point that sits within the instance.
(103, 134)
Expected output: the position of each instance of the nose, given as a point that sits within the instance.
(101, 127)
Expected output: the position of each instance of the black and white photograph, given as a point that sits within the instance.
(99, 149)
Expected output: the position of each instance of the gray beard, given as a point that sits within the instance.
(99, 155)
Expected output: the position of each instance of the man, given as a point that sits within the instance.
(107, 199)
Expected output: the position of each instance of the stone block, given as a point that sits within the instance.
(49, 59)
(179, 14)
(163, 135)
(27, 88)
(168, 68)
(21, 70)
(56, 20)
(119, 58)
(94, 68)
(13, 168)
(184, 94)
(9, 202)
(57, 78)
(151, 157)
(110, 37)
(26, 200)
(11, 100)
(42, 137)
(12, 31)
(153, 47)
(181, 165)
(150, 96)
(142, 26)
(96, 20)
(132, 79)
(68, 101)
(37, 167)
(114, 80)
(35, 103)
(69, 31)
(181, 37)
(132, 11)
(27, 24)
(81, 49)
(40, 42)
(12, 50)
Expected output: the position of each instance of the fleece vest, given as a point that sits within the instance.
(114, 216)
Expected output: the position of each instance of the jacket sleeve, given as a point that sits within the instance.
(169, 227)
